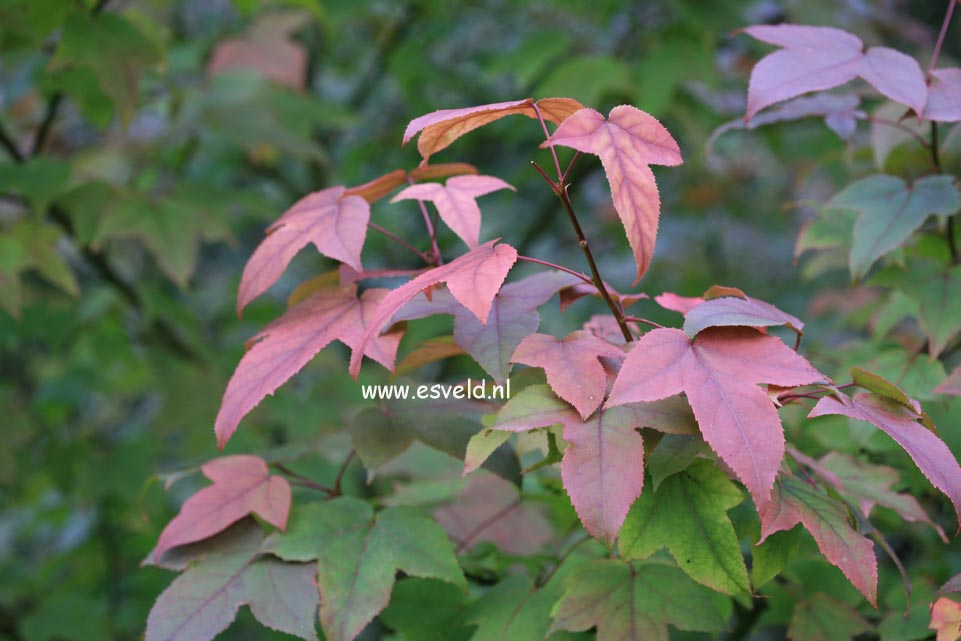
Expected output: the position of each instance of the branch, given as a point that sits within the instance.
(940, 42)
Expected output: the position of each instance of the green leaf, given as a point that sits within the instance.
(674, 453)
(380, 434)
(688, 515)
(934, 287)
(514, 609)
(880, 385)
(587, 79)
(424, 609)
(358, 554)
(895, 309)
(890, 212)
(481, 446)
(112, 48)
(39, 180)
(770, 557)
(824, 618)
(828, 230)
(636, 602)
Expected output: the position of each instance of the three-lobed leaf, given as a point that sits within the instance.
(628, 141)
(688, 515)
(242, 485)
(456, 202)
(358, 554)
(821, 58)
(230, 572)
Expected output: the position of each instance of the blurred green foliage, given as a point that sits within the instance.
(137, 176)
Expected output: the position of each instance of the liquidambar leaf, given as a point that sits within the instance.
(473, 279)
(688, 515)
(829, 522)
(929, 452)
(731, 311)
(456, 202)
(890, 211)
(720, 372)
(358, 555)
(204, 600)
(242, 485)
(572, 366)
(636, 602)
(824, 618)
(944, 96)
(627, 142)
(285, 346)
(820, 58)
(441, 128)
(334, 222)
(946, 619)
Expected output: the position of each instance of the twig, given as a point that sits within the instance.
(940, 42)
(546, 576)
(10, 145)
(397, 239)
(897, 125)
(43, 132)
(546, 263)
(435, 250)
(303, 480)
(342, 471)
(638, 319)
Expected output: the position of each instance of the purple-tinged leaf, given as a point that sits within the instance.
(679, 304)
(204, 600)
(944, 96)
(929, 452)
(473, 279)
(951, 386)
(532, 408)
(731, 311)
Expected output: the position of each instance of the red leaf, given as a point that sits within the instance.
(627, 142)
(731, 311)
(473, 279)
(951, 386)
(929, 452)
(282, 348)
(456, 202)
(820, 58)
(828, 521)
(242, 486)
(603, 469)
(571, 365)
(441, 128)
(336, 224)
(720, 373)
(944, 96)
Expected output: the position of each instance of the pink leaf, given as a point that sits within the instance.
(490, 509)
(732, 311)
(473, 279)
(571, 365)
(944, 96)
(675, 303)
(929, 452)
(719, 373)
(242, 486)
(603, 469)
(268, 49)
(627, 142)
(456, 202)
(829, 523)
(334, 223)
(441, 128)
(951, 386)
(820, 58)
(283, 348)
